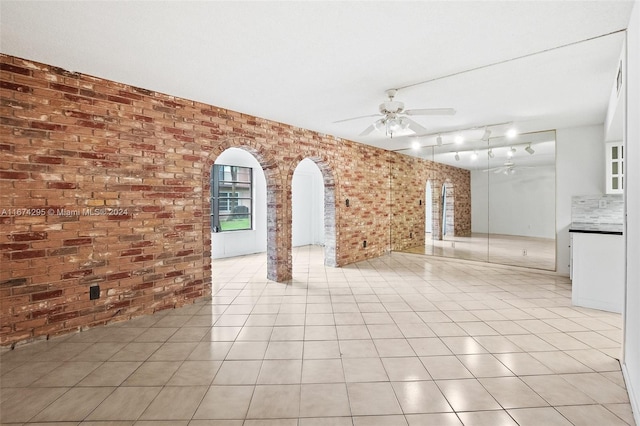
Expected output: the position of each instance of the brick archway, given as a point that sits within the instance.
(330, 211)
(279, 263)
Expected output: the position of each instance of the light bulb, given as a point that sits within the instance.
(512, 133)
(474, 156)
(415, 145)
(459, 139)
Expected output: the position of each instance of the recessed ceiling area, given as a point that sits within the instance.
(538, 65)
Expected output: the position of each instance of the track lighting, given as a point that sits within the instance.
(459, 139)
(511, 152)
(457, 157)
(486, 135)
(529, 149)
(439, 140)
(415, 145)
(490, 153)
(474, 156)
(512, 133)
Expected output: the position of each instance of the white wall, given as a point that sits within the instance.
(237, 243)
(307, 205)
(580, 169)
(515, 204)
(631, 366)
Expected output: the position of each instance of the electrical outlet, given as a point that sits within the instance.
(94, 292)
(364, 244)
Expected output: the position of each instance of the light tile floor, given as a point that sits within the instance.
(399, 340)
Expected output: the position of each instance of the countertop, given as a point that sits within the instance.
(597, 228)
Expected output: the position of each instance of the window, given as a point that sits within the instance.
(231, 198)
(615, 168)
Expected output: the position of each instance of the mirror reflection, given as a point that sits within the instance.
(511, 185)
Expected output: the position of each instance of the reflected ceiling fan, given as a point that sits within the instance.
(508, 168)
(394, 118)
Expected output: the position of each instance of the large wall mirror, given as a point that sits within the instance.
(511, 181)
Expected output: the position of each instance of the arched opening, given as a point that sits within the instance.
(278, 240)
(313, 207)
(447, 203)
(239, 194)
(307, 215)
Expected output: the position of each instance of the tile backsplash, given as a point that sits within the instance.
(597, 208)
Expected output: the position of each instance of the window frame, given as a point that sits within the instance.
(218, 180)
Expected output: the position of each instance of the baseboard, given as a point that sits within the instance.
(633, 396)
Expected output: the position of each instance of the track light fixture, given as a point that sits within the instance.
(457, 157)
(511, 152)
(474, 156)
(439, 140)
(529, 149)
(490, 153)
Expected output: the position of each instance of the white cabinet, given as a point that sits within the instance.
(615, 168)
(597, 271)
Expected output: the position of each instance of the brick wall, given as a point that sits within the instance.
(117, 182)
(408, 190)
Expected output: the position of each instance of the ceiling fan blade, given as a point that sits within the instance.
(357, 118)
(417, 128)
(431, 111)
(368, 130)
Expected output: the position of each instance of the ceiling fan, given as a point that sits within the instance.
(394, 117)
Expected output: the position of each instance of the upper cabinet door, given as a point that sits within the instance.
(615, 168)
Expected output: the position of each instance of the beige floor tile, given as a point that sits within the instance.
(511, 392)
(445, 367)
(439, 419)
(136, 351)
(209, 351)
(559, 362)
(393, 347)
(350, 332)
(463, 345)
(294, 332)
(175, 403)
(284, 350)
(280, 372)
(467, 395)
(67, 374)
(238, 373)
(320, 332)
(27, 402)
(415, 330)
(275, 402)
(538, 416)
(28, 373)
(225, 402)
(74, 405)
(173, 351)
(420, 397)
(523, 364)
(325, 421)
(484, 365)
(557, 391)
(321, 349)
(368, 399)
(322, 371)
(125, 403)
(379, 421)
(429, 346)
(405, 369)
(364, 370)
(487, 418)
(497, 344)
(598, 387)
(152, 373)
(195, 373)
(189, 334)
(222, 334)
(588, 415)
(357, 349)
(595, 359)
(623, 411)
(321, 400)
(254, 333)
(110, 374)
(156, 334)
(247, 350)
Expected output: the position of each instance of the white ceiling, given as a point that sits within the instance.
(539, 64)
